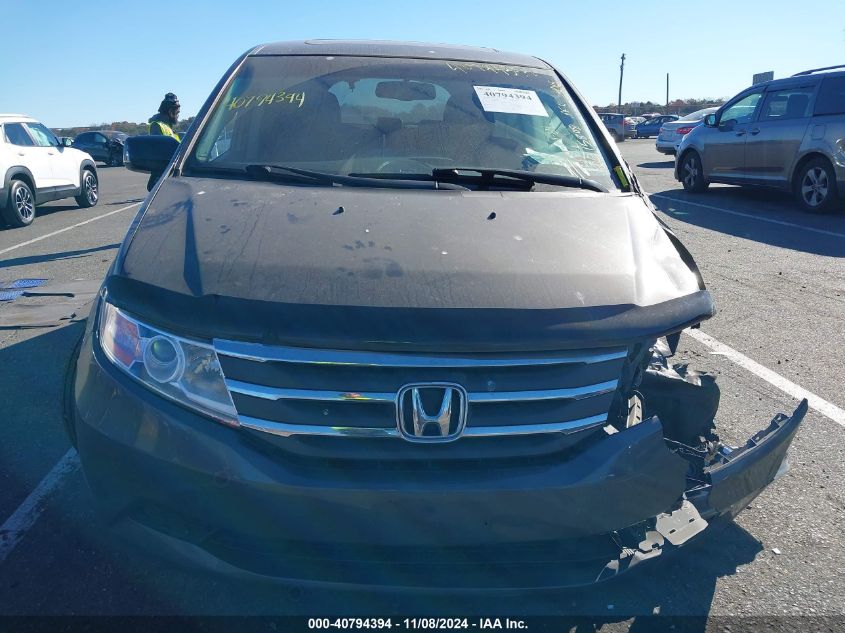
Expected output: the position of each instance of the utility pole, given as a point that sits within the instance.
(667, 93)
(621, 72)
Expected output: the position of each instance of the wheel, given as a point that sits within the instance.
(20, 206)
(114, 159)
(615, 135)
(692, 174)
(90, 194)
(815, 186)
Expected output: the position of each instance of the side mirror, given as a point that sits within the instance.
(66, 141)
(149, 154)
(710, 120)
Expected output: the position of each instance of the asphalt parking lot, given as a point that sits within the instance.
(778, 278)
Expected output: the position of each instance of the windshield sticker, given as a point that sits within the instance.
(510, 100)
(287, 98)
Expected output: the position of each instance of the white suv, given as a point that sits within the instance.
(36, 167)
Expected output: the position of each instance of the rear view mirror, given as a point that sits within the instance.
(406, 91)
(710, 120)
(149, 154)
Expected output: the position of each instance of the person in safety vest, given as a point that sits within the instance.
(163, 124)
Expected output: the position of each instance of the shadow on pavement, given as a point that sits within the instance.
(664, 164)
(49, 257)
(775, 229)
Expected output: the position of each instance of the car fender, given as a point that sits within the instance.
(11, 172)
(690, 141)
(87, 163)
(819, 147)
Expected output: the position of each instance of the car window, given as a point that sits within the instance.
(698, 115)
(790, 103)
(16, 135)
(831, 99)
(100, 138)
(41, 135)
(367, 114)
(82, 138)
(741, 111)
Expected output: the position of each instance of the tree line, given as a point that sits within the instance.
(678, 106)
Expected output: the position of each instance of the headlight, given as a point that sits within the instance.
(182, 370)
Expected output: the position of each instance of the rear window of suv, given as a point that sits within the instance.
(831, 99)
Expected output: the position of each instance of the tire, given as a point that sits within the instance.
(692, 174)
(90, 190)
(114, 159)
(20, 205)
(815, 187)
(615, 135)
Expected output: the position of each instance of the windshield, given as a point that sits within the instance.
(347, 115)
(698, 115)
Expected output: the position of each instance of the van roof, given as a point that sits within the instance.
(379, 48)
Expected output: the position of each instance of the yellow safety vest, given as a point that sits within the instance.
(158, 127)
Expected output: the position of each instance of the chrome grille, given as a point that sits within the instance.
(290, 391)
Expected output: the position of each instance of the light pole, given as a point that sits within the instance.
(621, 72)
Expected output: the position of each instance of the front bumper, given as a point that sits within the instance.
(215, 497)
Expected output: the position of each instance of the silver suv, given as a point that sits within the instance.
(615, 124)
(786, 134)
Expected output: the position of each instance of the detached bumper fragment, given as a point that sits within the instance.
(740, 474)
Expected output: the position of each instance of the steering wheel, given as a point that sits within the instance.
(404, 166)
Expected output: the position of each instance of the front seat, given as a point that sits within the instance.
(796, 106)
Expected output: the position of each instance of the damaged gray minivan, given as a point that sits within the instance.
(399, 315)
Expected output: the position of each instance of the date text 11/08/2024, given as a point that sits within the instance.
(416, 623)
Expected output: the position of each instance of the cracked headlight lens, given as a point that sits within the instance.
(182, 370)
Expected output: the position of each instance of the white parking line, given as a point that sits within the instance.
(811, 229)
(67, 228)
(821, 405)
(12, 531)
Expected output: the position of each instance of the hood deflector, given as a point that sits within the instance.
(418, 329)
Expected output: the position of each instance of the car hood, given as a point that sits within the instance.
(251, 250)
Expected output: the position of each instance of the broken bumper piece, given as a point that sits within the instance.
(720, 486)
(714, 491)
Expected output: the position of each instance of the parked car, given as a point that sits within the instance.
(631, 123)
(615, 124)
(103, 145)
(651, 127)
(784, 134)
(38, 168)
(671, 132)
(359, 343)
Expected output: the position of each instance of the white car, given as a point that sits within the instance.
(36, 168)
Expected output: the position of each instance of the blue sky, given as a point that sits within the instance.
(70, 63)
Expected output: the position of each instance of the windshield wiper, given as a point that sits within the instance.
(484, 177)
(296, 175)
(496, 176)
